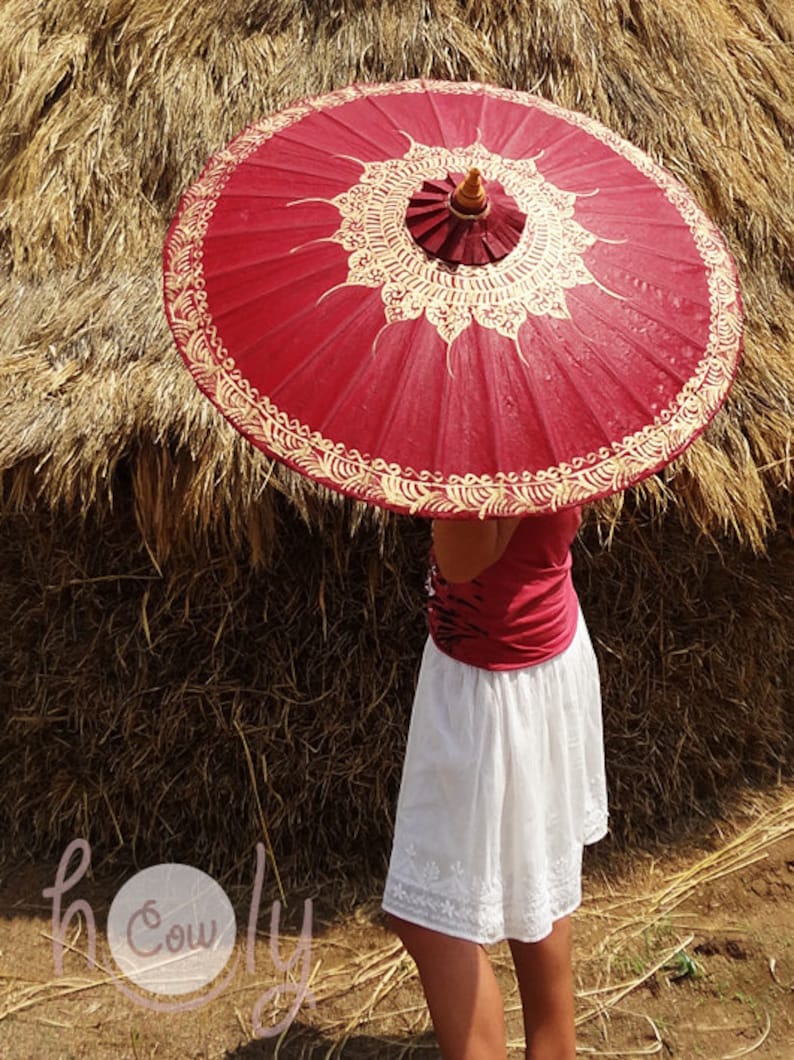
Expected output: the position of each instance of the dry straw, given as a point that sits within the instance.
(171, 591)
(367, 993)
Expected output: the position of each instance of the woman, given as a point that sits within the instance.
(502, 786)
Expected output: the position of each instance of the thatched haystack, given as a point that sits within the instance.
(202, 647)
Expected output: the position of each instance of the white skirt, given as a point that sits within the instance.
(503, 784)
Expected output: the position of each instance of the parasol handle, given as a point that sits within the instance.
(469, 198)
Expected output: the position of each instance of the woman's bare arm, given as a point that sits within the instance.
(464, 548)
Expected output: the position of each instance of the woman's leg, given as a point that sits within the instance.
(462, 993)
(545, 981)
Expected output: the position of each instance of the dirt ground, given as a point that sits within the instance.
(685, 953)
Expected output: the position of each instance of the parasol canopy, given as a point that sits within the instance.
(452, 299)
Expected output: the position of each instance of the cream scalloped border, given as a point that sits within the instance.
(406, 489)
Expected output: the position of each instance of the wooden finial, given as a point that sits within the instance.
(469, 197)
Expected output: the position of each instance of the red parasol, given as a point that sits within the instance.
(451, 298)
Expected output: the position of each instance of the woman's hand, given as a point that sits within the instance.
(464, 548)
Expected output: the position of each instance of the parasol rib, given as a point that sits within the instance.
(535, 414)
(587, 395)
(492, 410)
(443, 138)
(614, 325)
(373, 102)
(271, 165)
(288, 284)
(399, 393)
(308, 144)
(328, 341)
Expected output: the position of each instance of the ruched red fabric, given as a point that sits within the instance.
(520, 611)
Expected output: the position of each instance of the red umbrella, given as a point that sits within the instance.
(559, 327)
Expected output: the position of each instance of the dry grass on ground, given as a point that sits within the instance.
(686, 953)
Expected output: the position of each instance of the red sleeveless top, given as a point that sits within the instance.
(520, 611)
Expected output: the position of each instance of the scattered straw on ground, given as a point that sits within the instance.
(365, 988)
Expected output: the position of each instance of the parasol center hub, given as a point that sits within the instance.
(454, 220)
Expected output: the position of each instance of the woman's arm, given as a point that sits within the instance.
(465, 547)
